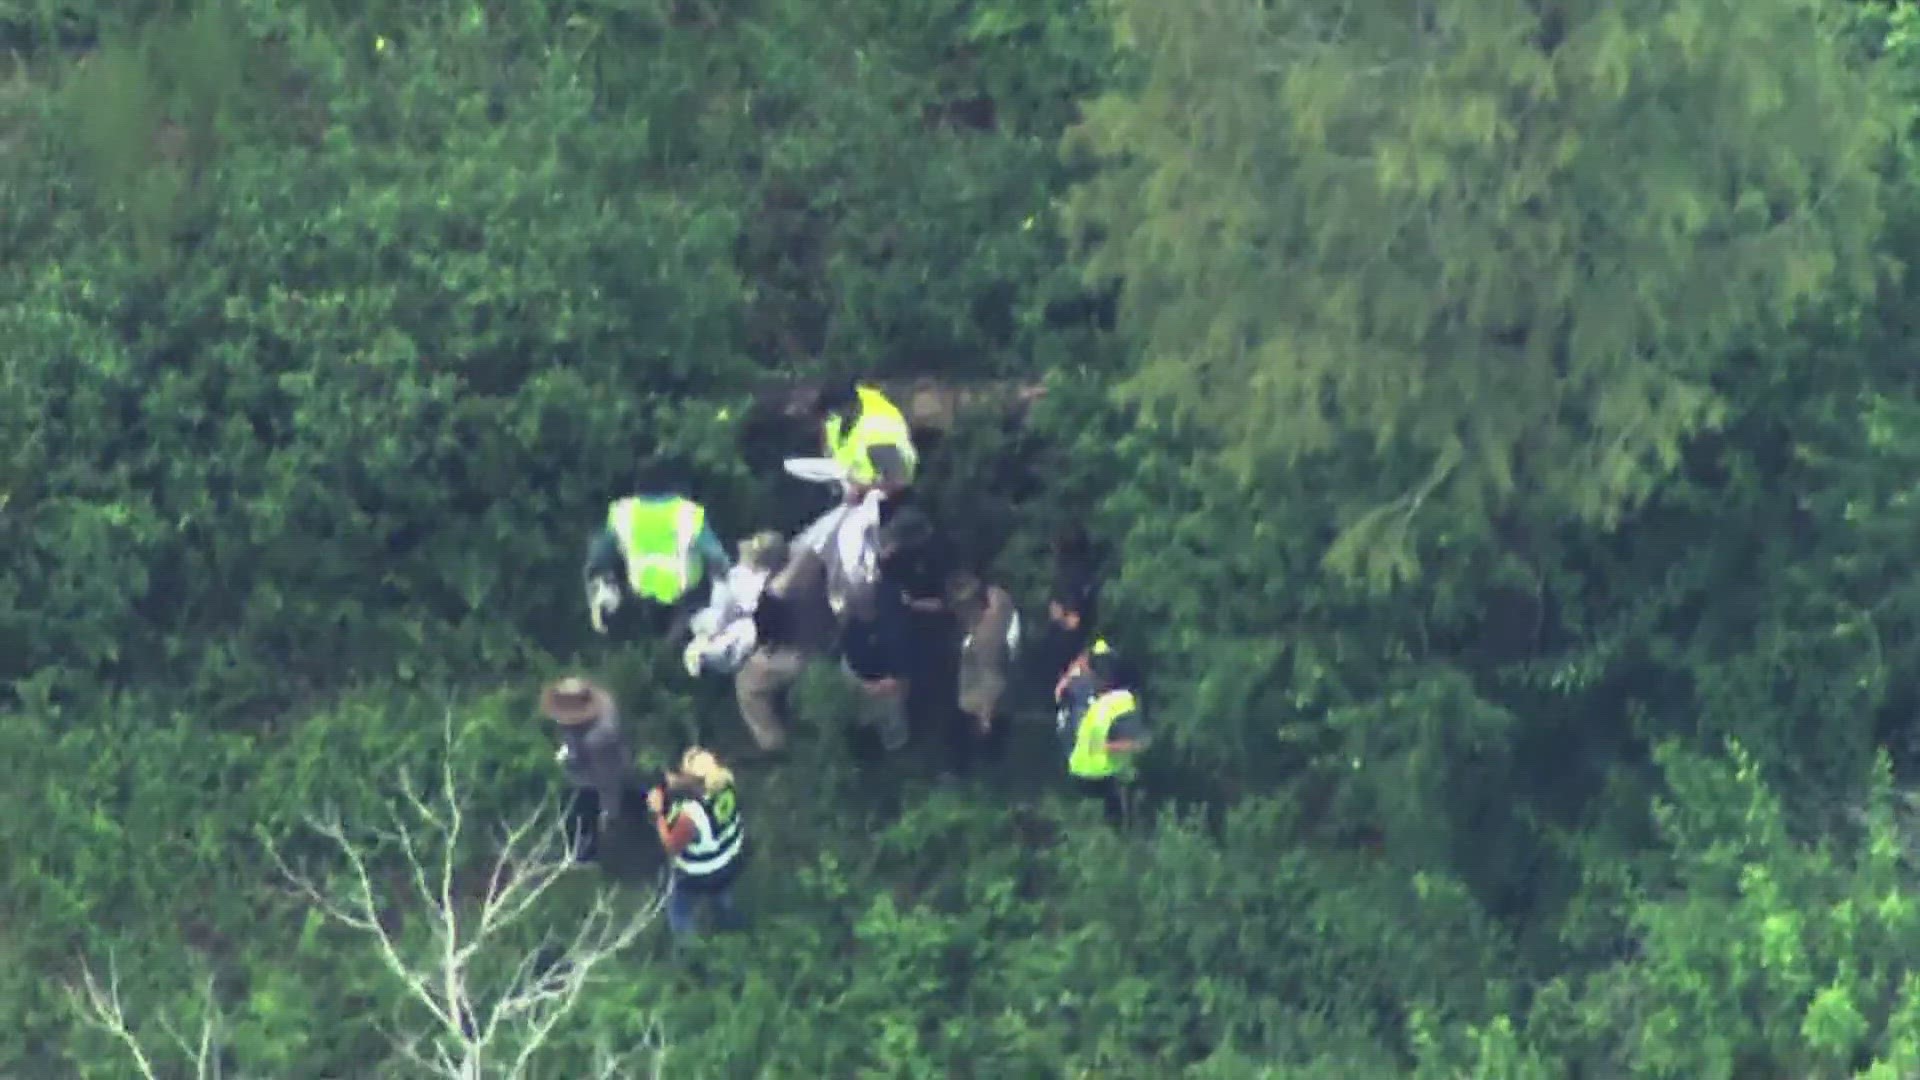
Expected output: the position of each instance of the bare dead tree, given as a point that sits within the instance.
(476, 1027)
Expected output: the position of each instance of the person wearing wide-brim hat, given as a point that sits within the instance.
(596, 757)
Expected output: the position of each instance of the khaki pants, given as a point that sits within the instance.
(761, 690)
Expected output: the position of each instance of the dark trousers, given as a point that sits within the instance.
(583, 819)
(933, 695)
(1109, 790)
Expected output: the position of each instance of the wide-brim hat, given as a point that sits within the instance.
(575, 700)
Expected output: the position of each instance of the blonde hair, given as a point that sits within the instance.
(699, 763)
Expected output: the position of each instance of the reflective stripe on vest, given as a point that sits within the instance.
(657, 538)
(880, 424)
(1090, 758)
(717, 834)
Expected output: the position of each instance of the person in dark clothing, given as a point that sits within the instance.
(911, 561)
(914, 567)
(597, 760)
(874, 650)
(1072, 607)
(878, 643)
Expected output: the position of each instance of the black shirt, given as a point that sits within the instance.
(876, 648)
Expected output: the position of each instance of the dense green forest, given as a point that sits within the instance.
(1500, 418)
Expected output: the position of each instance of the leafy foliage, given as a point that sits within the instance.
(331, 328)
(1518, 241)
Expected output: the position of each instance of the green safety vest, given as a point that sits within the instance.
(717, 833)
(657, 538)
(880, 424)
(1090, 759)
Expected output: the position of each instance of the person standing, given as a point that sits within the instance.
(989, 627)
(1100, 727)
(696, 814)
(596, 759)
(657, 548)
(1073, 602)
(876, 649)
(792, 625)
(766, 632)
(867, 434)
(1072, 606)
(912, 568)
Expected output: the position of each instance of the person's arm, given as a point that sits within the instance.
(675, 834)
(1127, 735)
(603, 557)
(1075, 669)
(1068, 718)
(607, 758)
(889, 467)
(712, 552)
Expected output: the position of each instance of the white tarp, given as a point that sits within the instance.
(723, 631)
(844, 537)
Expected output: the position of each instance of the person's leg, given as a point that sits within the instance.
(936, 689)
(961, 737)
(887, 709)
(983, 685)
(1107, 790)
(992, 732)
(583, 824)
(680, 901)
(726, 914)
(760, 689)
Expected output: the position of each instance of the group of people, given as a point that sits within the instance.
(866, 584)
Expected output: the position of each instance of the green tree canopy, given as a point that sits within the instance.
(1517, 241)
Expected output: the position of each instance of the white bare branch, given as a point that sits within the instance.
(100, 1007)
(476, 1030)
(480, 1023)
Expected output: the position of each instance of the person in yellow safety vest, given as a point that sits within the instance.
(697, 816)
(1100, 726)
(868, 435)
(657, 548)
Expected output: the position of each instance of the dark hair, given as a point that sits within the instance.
(910, 528)
(840, 395)
(1077, 591)
(1109, 668)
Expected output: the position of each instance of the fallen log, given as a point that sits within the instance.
(929, 404)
